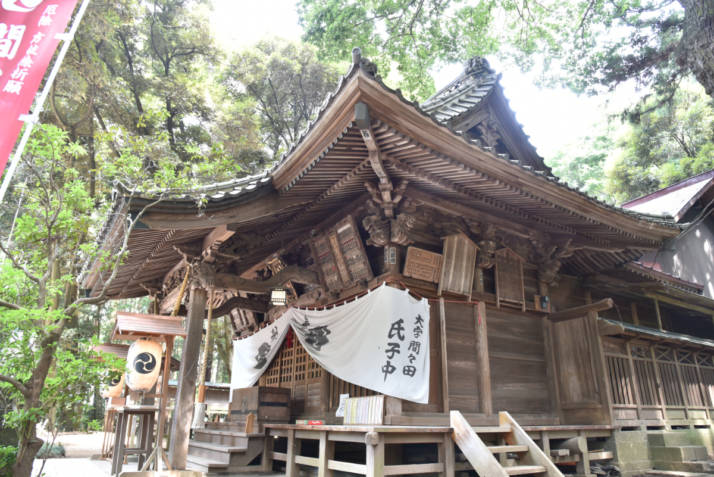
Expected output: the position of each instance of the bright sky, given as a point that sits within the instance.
(552, 117)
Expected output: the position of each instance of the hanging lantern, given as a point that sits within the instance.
(143, 363)
(115, 386)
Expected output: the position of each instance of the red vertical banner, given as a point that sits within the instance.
(28, 39)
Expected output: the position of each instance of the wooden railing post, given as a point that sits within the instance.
(291, 468)
(325, 454)
(374, 442)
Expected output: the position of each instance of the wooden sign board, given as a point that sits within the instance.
(423, 265)
(132, 326)
(341, 256)
(509, 278)
(459, 267)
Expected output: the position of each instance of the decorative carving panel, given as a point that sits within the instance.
(340, 254)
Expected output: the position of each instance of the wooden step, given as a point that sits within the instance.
(204, 464)
(505, 448)
(492, 429)
(524, 469)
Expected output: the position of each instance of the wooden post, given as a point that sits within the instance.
(267, 461)
(291, 468)
(374, 442)
(447, 455)
(633, 312)
(325, 454)
(659, 316)
(444, 360)
(484, 364)
(163, 411)
(206, 352)
(185, 395)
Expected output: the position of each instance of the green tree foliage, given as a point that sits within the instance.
(594, 42)
(582, 165)
(282, 84)
(670, 142)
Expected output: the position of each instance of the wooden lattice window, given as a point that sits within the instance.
(620, 380)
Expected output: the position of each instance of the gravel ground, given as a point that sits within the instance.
(79, 449)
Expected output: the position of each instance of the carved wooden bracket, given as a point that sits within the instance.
(293, 273)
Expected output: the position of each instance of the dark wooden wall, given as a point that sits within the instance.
(520, 381)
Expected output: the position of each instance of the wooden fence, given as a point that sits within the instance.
(657, 384)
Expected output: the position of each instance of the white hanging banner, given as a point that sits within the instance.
(379, 341)
(252, 355)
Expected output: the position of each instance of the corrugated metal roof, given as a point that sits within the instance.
(675, 200)
(668, 335)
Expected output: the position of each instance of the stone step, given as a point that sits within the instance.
(678, 453)
(671, 438)
(697, 466)
(674, 473)
(524, 469)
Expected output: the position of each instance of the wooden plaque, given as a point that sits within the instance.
(340, 254)
(422, 265)
(459, 266)
(509, 278)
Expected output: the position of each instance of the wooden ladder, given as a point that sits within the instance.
(505, 440)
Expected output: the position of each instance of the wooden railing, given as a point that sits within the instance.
(651, 384)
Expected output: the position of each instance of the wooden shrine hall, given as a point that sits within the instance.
(548, 341)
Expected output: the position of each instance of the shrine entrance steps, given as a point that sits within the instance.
(499, 451)
(678, 451)
(224, 447)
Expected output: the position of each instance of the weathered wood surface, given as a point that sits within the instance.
(473, 448)
(535, 455)
(130, 326)
(580, 311)
(289, 273)
(183, 409)
(459, 265)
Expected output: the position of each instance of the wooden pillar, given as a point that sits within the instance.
(186, 393)
(633, 312)
(447, 455)
(444, 359)
(291, 468)
(659, 316)
(374, 442)
(484, 364)
(325, 454)
(207, 349)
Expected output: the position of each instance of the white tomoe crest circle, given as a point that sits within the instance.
(23, 6)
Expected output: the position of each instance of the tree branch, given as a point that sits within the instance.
(17, 384)
(17, 264)
(7, 304)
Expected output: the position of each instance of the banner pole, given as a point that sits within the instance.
(35, 116)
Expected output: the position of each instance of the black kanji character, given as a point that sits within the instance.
(417, 332)
(419, 321)
(393, 348)
(388, 369)
(414, 346)
(409, 370)
(397, 329)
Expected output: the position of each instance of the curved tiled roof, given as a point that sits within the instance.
(464, 93)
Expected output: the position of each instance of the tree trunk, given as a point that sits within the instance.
(697, 40)
(29, 444)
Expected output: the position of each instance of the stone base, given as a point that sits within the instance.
(630, 452)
